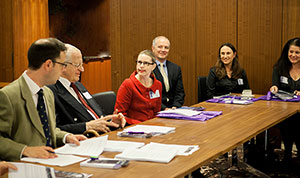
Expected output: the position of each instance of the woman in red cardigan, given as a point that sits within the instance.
(139, 96)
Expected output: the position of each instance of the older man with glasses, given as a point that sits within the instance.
(76, 110)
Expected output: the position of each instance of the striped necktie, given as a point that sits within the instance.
(165, 77)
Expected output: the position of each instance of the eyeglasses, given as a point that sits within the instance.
(144, 63)
(75, 65)
(63, 64)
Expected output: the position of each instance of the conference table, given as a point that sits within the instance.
(217, 136)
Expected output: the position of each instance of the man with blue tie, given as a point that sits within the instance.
(169, 74)
(27, 116)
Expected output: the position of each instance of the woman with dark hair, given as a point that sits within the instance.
(286, 77)
(139, 96)
(227, 76)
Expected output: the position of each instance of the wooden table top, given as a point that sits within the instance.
(215, 137)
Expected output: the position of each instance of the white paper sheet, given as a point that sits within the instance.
(182, 150)
(150, 129)
(185, 112)
(60, 160)
(119, 146)
(27, 170)
(161, 156)
(89, 147)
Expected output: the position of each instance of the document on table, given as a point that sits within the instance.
(27, 170)
(161, 156)
(185, 112)
(60, 160)
(150, 129)
(183, 150)
(89, 147)
(120, 146)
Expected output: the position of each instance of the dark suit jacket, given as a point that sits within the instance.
(20, 123)
(70, 114)
(176, 93)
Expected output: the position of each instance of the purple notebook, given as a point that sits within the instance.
(272, 97)
(231, 100)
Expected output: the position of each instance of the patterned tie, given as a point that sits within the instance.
(83, 100)
(43, 116)
(166, 80)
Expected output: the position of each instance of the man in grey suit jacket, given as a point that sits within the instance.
(72, 115)
(169, 74)
(22, 132)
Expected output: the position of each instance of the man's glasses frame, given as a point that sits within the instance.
(75, 65)
(63, 64)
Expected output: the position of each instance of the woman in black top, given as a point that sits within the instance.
(227, 76)
(286, 76)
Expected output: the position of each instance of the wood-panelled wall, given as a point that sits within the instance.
(86, 26)
(22, 22)
(196, 29)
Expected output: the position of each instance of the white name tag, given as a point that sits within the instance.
(87, 95)
(240, 81)
(154, 95)
(284, 80)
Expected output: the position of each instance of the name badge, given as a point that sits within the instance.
(240, 81)
(284, 80)
(87, 95)
(154, 95)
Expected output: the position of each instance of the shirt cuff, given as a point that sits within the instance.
(22, 152)
(65, 137)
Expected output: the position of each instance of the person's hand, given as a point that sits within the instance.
(120, 119)
(4, 166)
(296, 92)
(101, 125)
(75, 139)
(174, 107)
(39, 152)
(274, 89)
(167, 109)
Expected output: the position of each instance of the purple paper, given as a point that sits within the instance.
(271, 97)
(203, 116)
(230, 100)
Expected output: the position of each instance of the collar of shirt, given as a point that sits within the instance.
(67, 84)
(164, 66)
(140, 86)
(33, 87)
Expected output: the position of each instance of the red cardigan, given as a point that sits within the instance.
(134, 100)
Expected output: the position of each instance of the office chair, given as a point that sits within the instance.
(106, 101)
(202, 89)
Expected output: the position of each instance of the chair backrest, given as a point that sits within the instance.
(202, 96)
(106, 101)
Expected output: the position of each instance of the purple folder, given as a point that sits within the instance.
(203, 116)
(271, 97)
(230, 100)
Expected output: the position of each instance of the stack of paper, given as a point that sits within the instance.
(183, 150)
(162, 156)
(119, 146)
(155, 130)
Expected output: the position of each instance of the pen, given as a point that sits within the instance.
(51, 152)
(131, 132)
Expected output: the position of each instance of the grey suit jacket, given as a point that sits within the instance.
(20, 123)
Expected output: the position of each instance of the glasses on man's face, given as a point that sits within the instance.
(75, 65)
(63, 64)
(144, 63)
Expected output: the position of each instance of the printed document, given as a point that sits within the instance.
(150, 129)
(120, 146)
(182, 150)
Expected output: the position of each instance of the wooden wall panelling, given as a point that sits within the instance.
(175, 19)
(216, 23)
(291, 22)
(86, 26)
(6, 43)
(30, 22)
(259, 40)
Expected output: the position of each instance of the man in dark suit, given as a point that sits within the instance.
(27, 116)
(169, 74)
(76, 110)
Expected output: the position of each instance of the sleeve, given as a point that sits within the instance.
(211, 83)
(9, 149)
(275, 77)
(179, 91)
(124, 99)
(246, 85)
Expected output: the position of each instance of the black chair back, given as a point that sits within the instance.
(202, 89)
(106, 101)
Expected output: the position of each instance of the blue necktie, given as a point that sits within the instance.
(43, 116)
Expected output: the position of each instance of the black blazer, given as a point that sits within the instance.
(175, 96)
(70, 114)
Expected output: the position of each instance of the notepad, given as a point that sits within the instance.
(150, 129)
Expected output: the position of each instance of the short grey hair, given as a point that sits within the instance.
(70, 50)
(158, 37)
